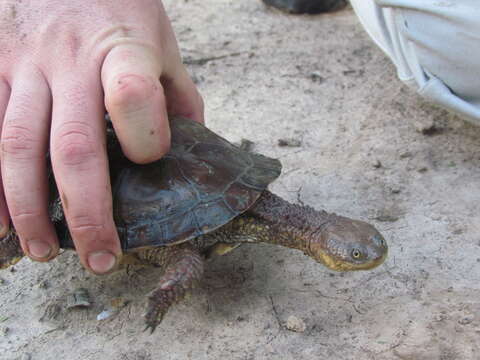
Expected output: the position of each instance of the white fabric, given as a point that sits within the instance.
(435, 45)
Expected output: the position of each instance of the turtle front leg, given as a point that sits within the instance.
(183, 269)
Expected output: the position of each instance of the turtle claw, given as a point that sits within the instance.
(150, 327)
(151, 324)
(153, 318)
(147, 327)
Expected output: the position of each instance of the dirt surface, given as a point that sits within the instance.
(365, 146)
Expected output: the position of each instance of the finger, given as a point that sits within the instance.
(4, 216)
(81, 170)
(135, 101)
(24, 144)
(182, 95)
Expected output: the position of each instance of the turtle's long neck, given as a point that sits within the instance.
(274, 220)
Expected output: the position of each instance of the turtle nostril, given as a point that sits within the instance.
(379, 241)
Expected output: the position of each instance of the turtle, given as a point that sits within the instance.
(204, 198)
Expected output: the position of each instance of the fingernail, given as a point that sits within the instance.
(39, 249)
(101, 262)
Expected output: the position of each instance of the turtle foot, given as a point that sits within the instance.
(184, 269)
(159, 301)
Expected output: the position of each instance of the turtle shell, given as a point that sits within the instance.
(202, 183)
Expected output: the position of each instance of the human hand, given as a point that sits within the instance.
(62, 63)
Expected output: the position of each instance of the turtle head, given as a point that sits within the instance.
(10, 250)
(344, 245)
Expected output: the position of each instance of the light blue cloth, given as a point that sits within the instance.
(435, 45)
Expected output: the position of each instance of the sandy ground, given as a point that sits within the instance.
(267, 76)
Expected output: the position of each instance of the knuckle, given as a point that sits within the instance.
(76, 152)
(22, 214)
(25, 218)
(74, 146)
(91, 231)
(81, 224)
(128, 89)
(72, 43)
(19, 142)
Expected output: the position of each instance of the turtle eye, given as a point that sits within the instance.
(356, 254)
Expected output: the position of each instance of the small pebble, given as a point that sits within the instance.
(426, 127)
(4, 330)
(289, 143)
(468, 319)
(79, 298)
(105, 314)
(386, 218)
(377, 164)
(315, 76)
(115, 306)
(296, 324)
(43, 284)
(385, 214)
(406, 155)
